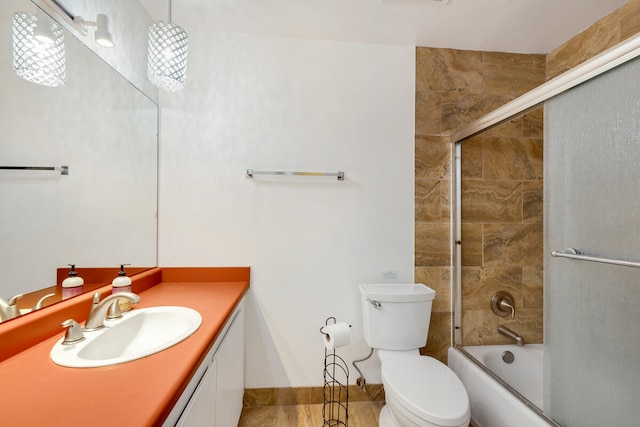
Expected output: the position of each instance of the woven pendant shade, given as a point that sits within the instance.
(167, 62)
(37, 61)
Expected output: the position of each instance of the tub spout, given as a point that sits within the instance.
(503, 330)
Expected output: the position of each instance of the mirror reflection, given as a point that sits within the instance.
(103, 213)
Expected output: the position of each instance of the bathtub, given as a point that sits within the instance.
(492, 404)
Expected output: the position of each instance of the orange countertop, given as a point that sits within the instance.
(37, 392)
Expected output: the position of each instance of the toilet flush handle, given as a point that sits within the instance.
(374, 303)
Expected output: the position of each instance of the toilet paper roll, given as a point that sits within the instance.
(336, 335)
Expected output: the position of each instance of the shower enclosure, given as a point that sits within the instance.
(585, 314)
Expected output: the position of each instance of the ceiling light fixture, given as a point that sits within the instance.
(102, 35)
(167, 60)
(38, 49)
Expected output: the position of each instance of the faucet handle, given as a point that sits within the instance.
(506, 306)
(502, 304)
(114, 311)
(10, 309)
(74, 332)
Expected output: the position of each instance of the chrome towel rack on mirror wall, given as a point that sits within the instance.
(572, 253)
(64, 170)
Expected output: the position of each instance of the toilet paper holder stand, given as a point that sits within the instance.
(335, 410)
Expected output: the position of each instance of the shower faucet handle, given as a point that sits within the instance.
(506, 306)
(502, 304)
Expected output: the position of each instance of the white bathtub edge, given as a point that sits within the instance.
(491, 404)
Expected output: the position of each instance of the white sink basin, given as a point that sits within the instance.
(137, 334)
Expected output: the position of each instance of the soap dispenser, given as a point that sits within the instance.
(73, 285)
(122, 283)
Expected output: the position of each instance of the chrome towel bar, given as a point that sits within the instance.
(339, 174)
(64, 170)
(577, 254)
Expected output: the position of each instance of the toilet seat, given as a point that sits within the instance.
(426, 388)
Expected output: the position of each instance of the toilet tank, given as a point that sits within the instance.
(396, 316)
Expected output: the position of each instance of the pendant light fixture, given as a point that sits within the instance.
(38, 49)
(167, 61)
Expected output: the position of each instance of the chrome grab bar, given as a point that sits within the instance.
(572, 253)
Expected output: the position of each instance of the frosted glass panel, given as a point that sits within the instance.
(592, 202)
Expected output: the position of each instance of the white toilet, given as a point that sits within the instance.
(420, 390)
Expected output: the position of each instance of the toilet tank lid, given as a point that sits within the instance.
(395, 292)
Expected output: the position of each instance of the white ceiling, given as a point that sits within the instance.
(522, 26)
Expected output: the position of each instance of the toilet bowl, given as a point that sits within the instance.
(420, 391)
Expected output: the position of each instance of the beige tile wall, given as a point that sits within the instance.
(502, 183)
(502, 229)
(502, 186)
(607, 32)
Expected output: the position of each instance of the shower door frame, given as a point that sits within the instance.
(603, 62)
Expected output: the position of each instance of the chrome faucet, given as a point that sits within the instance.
(9, 309)
(99, 309)
(503, 330)
(40, 302)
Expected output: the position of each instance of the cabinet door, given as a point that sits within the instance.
(200, 410)
(230, 376)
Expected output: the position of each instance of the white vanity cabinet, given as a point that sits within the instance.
(229, 360)
(213, 397)
(200, 410)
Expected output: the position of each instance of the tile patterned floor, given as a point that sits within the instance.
(361, 414)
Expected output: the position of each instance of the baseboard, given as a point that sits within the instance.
(306, 395)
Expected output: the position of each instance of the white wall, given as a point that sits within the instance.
(272, 103)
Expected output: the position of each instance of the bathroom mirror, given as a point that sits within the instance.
(103, 213)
